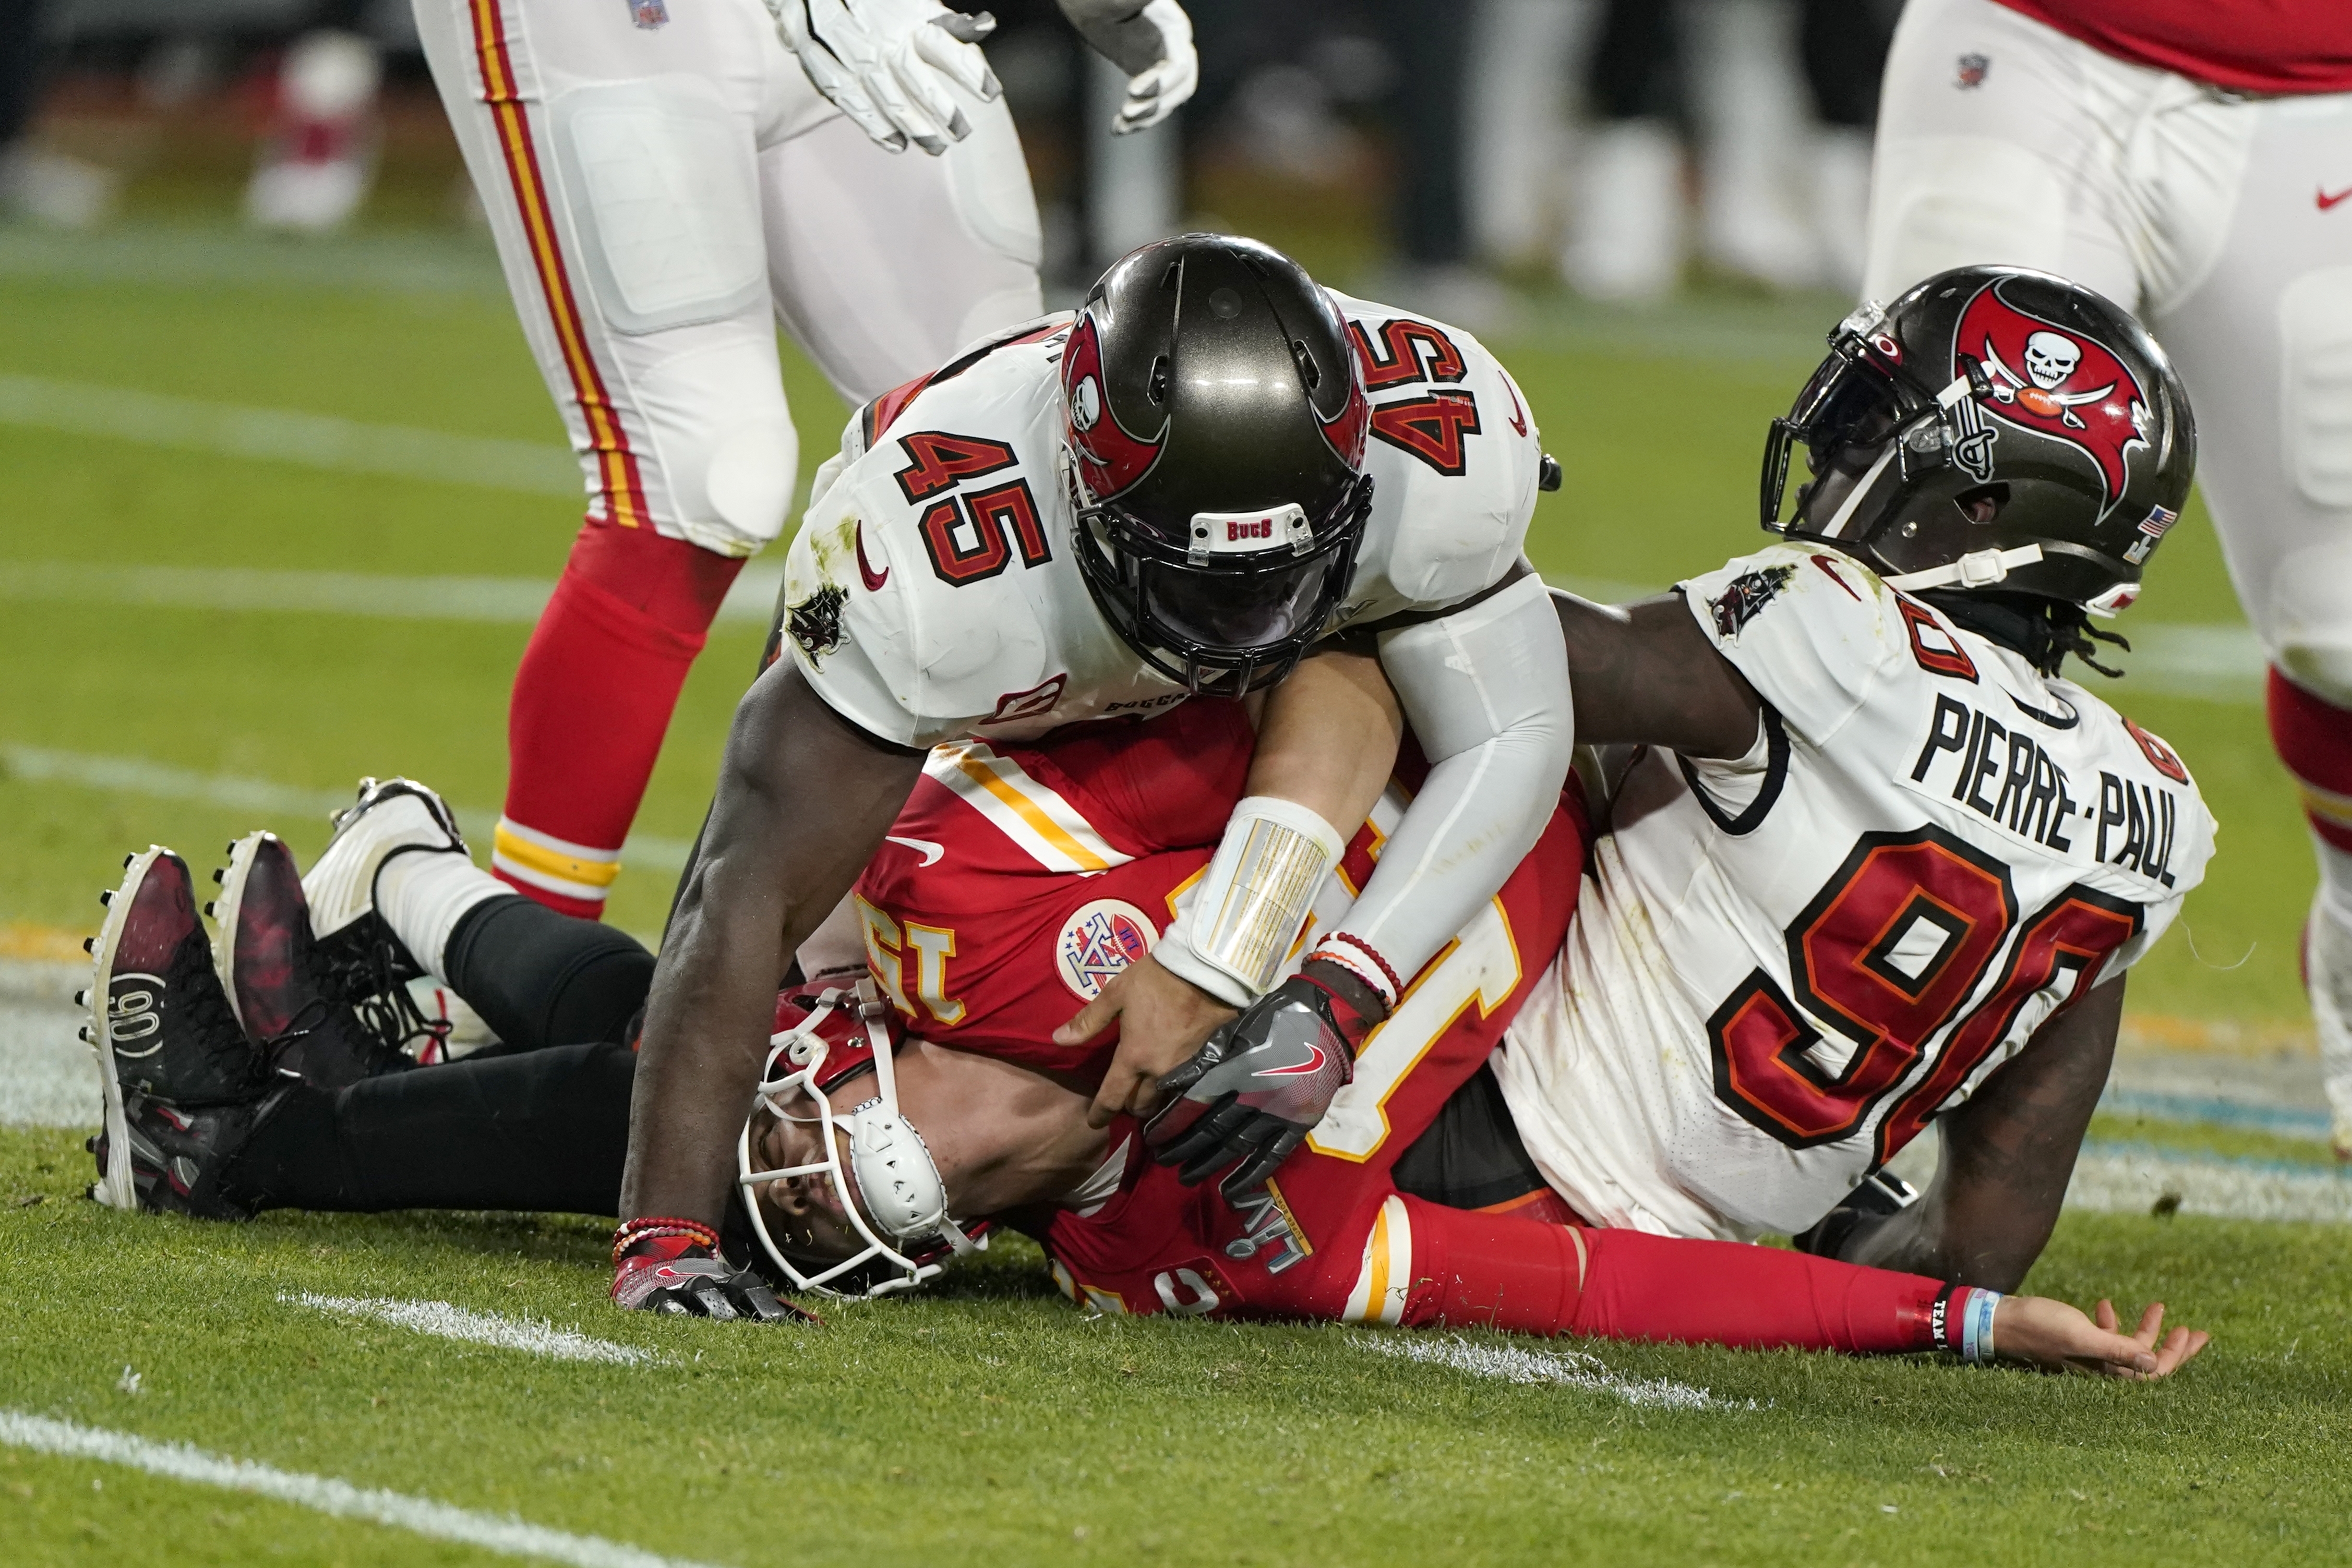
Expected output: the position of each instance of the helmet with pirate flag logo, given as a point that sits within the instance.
(2001, 428)
(1215, 423)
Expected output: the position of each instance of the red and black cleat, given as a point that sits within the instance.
(181, 1082)
(296, 1001)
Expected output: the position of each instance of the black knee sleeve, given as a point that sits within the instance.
(543, 1130)
(540, 978)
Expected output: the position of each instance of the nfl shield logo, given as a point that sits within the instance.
(1098, 941)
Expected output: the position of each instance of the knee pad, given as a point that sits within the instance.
(1946, 201)
(2309, 624)
(723, 439)
(2315, 326)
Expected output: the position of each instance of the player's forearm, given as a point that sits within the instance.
(1488, 694)
(1329, 737)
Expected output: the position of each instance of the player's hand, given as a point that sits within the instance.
(1152, 43)
(886, 63)
(1257, 1088)
(2054, 1334)
(1162, 1021)
(696, 1284)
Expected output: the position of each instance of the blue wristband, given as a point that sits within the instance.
(1976, 1325)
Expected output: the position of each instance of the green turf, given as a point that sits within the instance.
(994, 1423)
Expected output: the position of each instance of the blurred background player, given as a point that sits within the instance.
(37, 182)
(664, 186)
(2193, 158)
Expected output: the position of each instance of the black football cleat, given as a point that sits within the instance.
(313, 1016)
(178, 1074)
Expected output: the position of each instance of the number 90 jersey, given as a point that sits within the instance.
(932, 594)
(1784, 967)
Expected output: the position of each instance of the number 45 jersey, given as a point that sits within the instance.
(1784, 967)
(931, 594)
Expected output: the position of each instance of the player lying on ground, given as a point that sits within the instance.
(1175, 494)
(205, 1127)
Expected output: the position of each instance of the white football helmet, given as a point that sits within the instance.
(891, 1193)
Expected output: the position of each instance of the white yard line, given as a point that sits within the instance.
(324, 1494)
(1566, 1368)
(140, 776)
(284, 435)
(444, 1321)
(511, 601)
(2124, 1179)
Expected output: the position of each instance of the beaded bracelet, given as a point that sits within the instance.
(1382, 978)
(632, 1232)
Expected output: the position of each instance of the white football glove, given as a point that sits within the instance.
(1152, 43)
(886, 63)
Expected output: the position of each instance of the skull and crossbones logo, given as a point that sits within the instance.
(2050, 358)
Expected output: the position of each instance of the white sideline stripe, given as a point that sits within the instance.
(282, 435)
(2122, 1178)
(443, 1321)
(1566, 1368)
(138, 776)
(324, 1494)
(504, 601)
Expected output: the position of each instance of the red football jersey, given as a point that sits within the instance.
(2251, 45)
(1018, 880)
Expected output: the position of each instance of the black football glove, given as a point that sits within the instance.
(1259, 1086)
(696, 1285)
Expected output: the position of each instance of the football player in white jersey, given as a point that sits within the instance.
(666, 182)
(2190, 159)
(1214, 466)
(1879, 864)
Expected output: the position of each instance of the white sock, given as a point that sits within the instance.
(2335, 882)
(420, 894)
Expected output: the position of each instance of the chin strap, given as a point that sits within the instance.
(1977, 569)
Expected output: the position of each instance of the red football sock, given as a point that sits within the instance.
(591, 701)
(2314, 740)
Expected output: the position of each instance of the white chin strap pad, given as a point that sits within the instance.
(1486, 692)
(898, 1183)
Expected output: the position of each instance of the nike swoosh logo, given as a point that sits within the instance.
(874, 580)
(1312, 1063)
(924, 847)
(2327, 201)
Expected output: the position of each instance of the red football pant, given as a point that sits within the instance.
(591, 701)
(2314, 740)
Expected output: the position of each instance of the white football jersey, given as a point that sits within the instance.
(1783, 967)
(932, 592)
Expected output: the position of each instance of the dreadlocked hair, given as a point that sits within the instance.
(2046, 631)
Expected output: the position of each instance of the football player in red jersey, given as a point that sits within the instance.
(861, 1199)
(2191, 158)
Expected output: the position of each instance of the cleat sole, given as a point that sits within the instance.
(114, 1187)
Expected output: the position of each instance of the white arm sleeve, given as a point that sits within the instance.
(1486, 692)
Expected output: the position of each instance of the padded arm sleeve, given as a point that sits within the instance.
(1486, 694)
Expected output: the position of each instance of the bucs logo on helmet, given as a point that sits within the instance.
(1111, 459)
(2062, 384)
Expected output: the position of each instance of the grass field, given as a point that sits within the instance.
(196, 639)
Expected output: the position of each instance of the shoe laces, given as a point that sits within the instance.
(370, 983)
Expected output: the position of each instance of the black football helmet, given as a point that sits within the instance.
(1216, 421)
(2001, 427)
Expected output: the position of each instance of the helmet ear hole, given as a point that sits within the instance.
(1982, 503)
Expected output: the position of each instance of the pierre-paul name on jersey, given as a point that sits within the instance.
(1787, 965)
(932, 592)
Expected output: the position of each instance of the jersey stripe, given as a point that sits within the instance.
(1046, 827)
(622, 489)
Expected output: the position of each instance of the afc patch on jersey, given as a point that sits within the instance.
(1098, 943)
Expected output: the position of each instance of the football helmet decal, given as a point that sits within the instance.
(2069, 388)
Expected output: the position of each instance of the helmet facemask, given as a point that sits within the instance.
(889, 1190)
